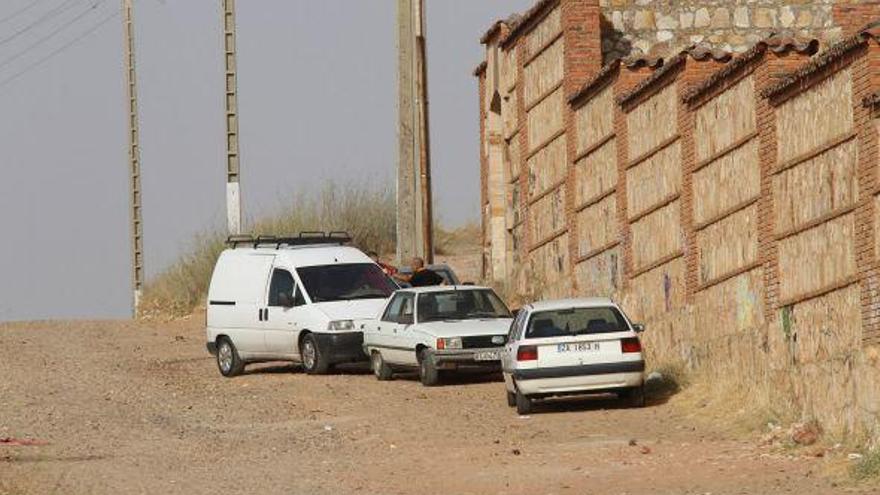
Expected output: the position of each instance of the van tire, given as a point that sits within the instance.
(228, 361)
(314, 362)
(523, 403)
(429, 375)
(381, 369)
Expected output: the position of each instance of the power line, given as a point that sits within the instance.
(21, 10)
(61, 49)
(64, 6)
(51, 35)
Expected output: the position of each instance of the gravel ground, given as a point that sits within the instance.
(140, 408)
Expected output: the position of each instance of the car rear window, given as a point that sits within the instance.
(575, 321)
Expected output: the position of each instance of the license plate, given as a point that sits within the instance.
(487, 356)
(578, 347)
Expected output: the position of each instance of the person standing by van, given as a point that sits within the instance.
(421, 276)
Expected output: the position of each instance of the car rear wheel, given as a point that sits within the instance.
(511, 399)
(381, 369)
(313, 360)
(523, 403)
(635, 397)
(228, 361)
(428, 373)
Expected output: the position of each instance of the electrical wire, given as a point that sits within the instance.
(63, 7)
(59, 50)
(21, 10)
(51, 35)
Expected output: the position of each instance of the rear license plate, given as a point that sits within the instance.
(487, 356)
(578, 347)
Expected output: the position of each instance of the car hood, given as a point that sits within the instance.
(461, 328)
(359, 309)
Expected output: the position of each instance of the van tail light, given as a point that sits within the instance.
(527, 353)
(630, 345)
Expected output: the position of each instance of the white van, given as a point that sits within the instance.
(300, 299)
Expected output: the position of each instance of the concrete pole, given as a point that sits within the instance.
(233, 188)
(414, 217)
(134, 159)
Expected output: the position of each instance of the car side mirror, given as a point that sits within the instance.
(405, 319)
(638, 327)
(285, 300)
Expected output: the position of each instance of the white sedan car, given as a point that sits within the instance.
(574, 346)
(437, 328)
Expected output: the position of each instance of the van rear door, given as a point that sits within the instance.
(235, 299)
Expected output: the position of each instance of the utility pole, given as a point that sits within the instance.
(134, 159)
(427, 213)
(414, 216)
(233, 188)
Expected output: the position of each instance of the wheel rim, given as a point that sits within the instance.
(377, 363)
(309, 354)
(224, 357)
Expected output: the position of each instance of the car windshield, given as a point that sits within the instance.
(460, 305)
(345, 282)
(576, 321)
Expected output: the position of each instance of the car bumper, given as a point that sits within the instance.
(467, 357)
(580, 379)
(342, 347)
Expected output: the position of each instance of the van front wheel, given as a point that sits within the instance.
(313, 360)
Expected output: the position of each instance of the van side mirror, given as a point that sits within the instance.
(405, 319)
(285, 300)
(638, 327)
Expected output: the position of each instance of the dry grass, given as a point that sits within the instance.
(366, 212)
(868, 467)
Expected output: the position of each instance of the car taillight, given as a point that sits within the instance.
(527, 353)
(630, 345)
(441, 344)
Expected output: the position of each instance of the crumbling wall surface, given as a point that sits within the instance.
(731, 205)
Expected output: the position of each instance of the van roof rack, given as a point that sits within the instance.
(303, 239)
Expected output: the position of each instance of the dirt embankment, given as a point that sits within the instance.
(141, 408)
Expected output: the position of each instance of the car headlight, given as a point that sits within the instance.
(339, 325)
(450, 343)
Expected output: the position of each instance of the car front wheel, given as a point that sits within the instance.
(381, 369)
(228, 361)
(428, 373)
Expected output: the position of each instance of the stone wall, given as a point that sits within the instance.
(659, 27)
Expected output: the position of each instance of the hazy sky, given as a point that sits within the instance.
(317, 100)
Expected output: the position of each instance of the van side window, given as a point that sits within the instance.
(282, 283)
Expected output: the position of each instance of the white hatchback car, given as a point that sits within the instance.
(573, 346)
(437, 328)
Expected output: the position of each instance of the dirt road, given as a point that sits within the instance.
(141, 408)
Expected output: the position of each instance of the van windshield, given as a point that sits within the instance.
(345, 282)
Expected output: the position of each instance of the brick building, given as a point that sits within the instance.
(727, 191)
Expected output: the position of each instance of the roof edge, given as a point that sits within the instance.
(824, 59)
(527, 20)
